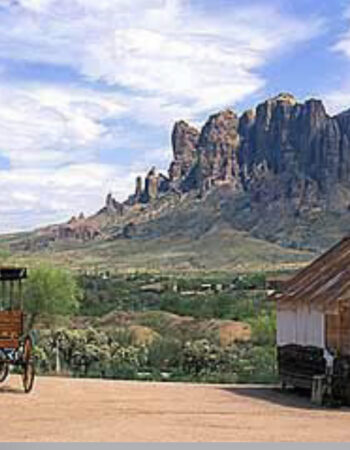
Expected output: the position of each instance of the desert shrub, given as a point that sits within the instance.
(196, 306)
(120, 335)
(164, 354)
(90, 353)
(227, 305)
(157, 320)
(250, 281)
(119, 293)
(243, 363)
(257, 364)
(200, 357)
(264, 328)
(183, 348)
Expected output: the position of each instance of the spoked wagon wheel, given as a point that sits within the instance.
(28, 366)
(4, 371)
(4, 367)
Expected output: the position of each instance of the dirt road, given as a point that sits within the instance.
(89, 410)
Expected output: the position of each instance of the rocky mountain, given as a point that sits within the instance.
(285, 151)
(280, 171)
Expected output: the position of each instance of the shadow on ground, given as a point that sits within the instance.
(10, 390)
(292, 398)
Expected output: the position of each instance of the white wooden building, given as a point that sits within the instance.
(313, 321)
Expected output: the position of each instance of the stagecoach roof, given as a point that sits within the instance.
(325, 280)
(12, 273)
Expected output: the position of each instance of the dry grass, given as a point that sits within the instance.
(141, 335)
(231, 332)
(146, 326)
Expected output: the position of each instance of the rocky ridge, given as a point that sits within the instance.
(284, 158)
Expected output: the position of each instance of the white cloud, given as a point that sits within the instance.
(338, 99)
(159, 47)
(42, 126)
(343, 44)
(160, 60)
(55, 195)
(51, 137)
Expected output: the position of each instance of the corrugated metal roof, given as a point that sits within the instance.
(325, 280)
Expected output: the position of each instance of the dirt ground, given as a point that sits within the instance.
(92, 410)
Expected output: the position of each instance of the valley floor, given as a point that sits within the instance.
(61, 409)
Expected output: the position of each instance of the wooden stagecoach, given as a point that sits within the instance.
(16, 347)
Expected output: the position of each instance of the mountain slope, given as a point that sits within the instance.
(279, 172)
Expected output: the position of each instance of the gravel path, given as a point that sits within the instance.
(92, 410)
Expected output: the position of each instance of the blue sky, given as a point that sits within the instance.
(89, 90)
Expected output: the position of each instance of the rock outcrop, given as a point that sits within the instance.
(283, 151)
(218, 151)
(151, 185)
(77, 229)
(301, 147)
(284, 158)
(138, 189)
(113, 207)
(184, 142)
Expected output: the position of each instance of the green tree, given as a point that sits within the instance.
(50, 292)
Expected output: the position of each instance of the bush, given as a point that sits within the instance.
(185, 352)
(264, 328)
(90, 353)
(164, 354)
(50, 292)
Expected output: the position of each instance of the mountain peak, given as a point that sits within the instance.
(285, 97)
(283, 159)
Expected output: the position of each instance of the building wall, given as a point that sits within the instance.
(300, 325)
(338, 329)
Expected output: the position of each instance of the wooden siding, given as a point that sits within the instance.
(338, 330)
(300, 325)
(11, 326)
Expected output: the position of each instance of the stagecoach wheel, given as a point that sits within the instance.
(4, 371)
(28, 366)
(28, 377)
(4, 367)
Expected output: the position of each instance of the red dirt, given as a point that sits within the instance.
(92, 410)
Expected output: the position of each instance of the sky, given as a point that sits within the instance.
(90, 89)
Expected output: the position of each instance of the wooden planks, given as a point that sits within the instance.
(9, 316)
(338, 330)
(11, 327)
(9, 343)
(332, 332)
